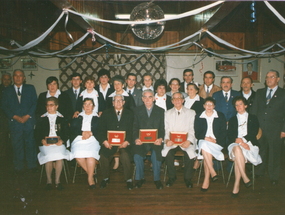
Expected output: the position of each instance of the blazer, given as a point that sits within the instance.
(223, 106)
(137, 96)
(198, 106)
(43, 127)
(109, 92)
(129, 102)
(64, 104)
(142, 121)
(272, 116)
(12, 106)
(203, 93)
(252, 129)
(109, 122)
(219, 128)
(76, 124)
(249, 100)
(72, 98)
(169, 104)
(101, 103)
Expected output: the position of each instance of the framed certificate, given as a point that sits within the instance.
(52, 140)
(148, 135)
(116, 138)
(178, 137)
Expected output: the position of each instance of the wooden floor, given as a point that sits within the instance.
(24, 195)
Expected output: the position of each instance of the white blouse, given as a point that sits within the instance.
(210, 120)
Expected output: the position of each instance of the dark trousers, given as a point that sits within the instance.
(24, 149)
(124, 160)
(188, 164)
(270, 152)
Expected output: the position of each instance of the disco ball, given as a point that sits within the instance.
(147, 11)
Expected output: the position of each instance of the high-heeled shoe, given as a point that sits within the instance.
(234, 195)
(248, 184)
(215, 178)
(92, 187)
(204, 189)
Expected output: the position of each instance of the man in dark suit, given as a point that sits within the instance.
(131, 82)
(224, 98)
(188, 77)
(19, 103)
(269, 107)
(247, 92)
(116, 118)
(75, 90)
(148, 116)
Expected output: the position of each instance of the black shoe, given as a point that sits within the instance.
(104, 183)
(130, 185)
(188, 183)
(92, 187)
(215, 178)
(158, 184)
(234, 195)
(274, 182)
(170, 182)
(59, 186)
(48, 187)
(204, 189)
(248, 184)
(140, 183)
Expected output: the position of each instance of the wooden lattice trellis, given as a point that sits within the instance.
(91, 65)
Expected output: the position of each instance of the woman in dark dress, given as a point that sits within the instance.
(193, 100)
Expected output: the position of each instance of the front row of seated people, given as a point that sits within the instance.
(206, 135)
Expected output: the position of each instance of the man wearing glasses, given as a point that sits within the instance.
(268, 106)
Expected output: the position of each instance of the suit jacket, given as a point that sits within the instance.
(64, 104)
(219, 128)
(109, 122)
(109, 92)
(249, 100)
(203, 93)
(72, 98)
(168, 101)
(12, 106)
(76, 124)
(223, 106)
(43, 127)
(271, 117)
(129, 102)
(101, 103)
(142, 121)
(137, 96)
(252, 129)
(198, 106)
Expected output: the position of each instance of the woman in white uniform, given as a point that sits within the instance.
(52, 124)
(85, 147)
(210, 131)
(242, 132)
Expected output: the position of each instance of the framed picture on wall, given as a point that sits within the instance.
(6, 64)
(225, 67)
(29, 64)
(251, 69)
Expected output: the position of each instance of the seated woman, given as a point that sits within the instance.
(64, 102)
(85, 147)
(161, 99)
(242, 132)
(194, 101)
(174, 85)
(210, 131)
(90, 92)
(52, 124)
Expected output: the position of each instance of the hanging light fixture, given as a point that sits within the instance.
(147, 11)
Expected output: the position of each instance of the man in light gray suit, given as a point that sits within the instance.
(179, 119)
(131, 82)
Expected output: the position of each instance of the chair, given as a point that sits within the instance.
(81, 172)
(65, 169)
(201, 166)
(258, 136)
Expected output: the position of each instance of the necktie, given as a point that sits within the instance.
(75, 93)
(118, 115)
(178, 113)
(226, 97)
(19, 93)
(208, 91)
(130, 92)
(268, 96)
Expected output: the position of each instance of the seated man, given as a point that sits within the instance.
(116, 118)
(148, 116)
(179, 119)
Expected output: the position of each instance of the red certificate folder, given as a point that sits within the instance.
(178, 137)
(148, 135)
(116, 138)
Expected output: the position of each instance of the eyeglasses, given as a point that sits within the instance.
(270, 77)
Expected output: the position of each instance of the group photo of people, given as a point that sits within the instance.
(206, 123)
